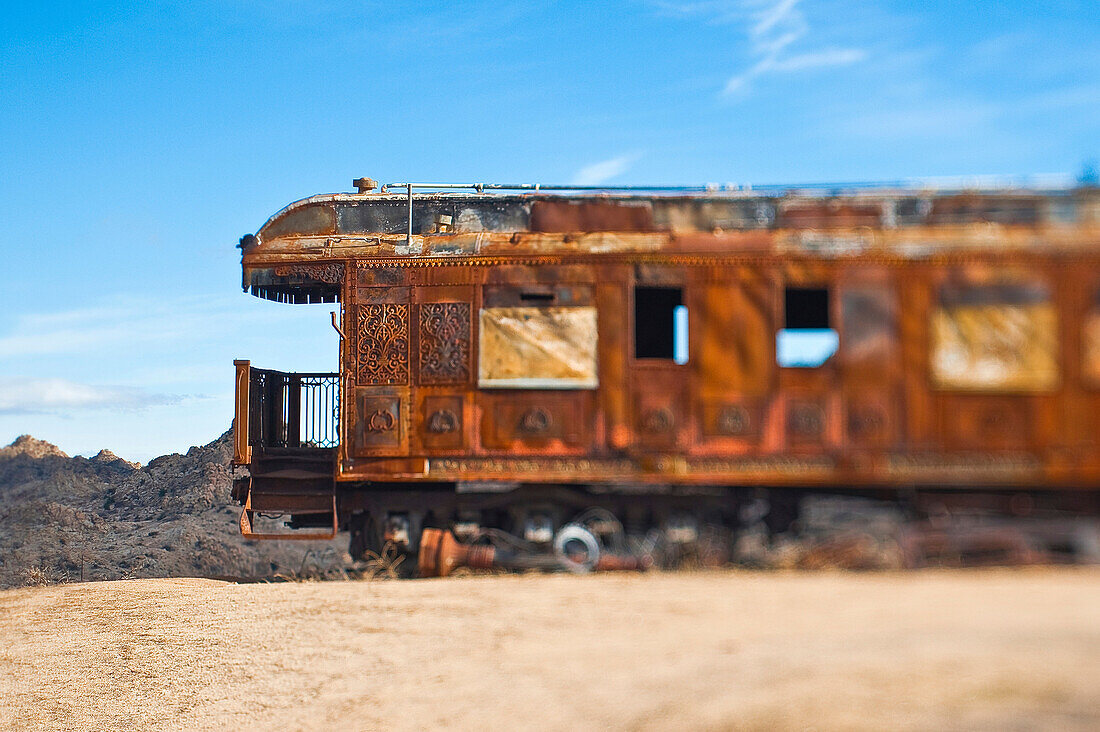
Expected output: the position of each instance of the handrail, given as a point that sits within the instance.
(961, 183)
(290, 410)
(301, 374)
(481, 187)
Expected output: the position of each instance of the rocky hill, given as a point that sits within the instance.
(71, 518)
(27, 445)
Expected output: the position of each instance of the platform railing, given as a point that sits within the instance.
(277, 410)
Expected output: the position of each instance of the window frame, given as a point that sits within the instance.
(833, 317)
(675, 320)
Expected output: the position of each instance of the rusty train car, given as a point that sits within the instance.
(511, 355)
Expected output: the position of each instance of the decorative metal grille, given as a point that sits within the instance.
(294, 410)
(444, 342)
(382, 344)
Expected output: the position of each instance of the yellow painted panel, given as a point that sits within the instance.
(1091, 366)
(995, 347)
(538, 348)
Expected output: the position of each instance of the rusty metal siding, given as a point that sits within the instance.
(611, 310)
(537, 423)
(305, 221)
(875, 413)
(689, 215)
(834, 214)
(591, 215)
(391, 216)
(871, 402)
(733, 337)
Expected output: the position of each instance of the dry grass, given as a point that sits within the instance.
(41, 576)
(384, 565)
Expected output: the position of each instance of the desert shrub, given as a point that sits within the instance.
(40, 576)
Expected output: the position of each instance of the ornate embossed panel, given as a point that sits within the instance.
(810, 421)
(537, 421)
(444, 342)
(328, 272)
(741, 419)
(441, 425)
(806, 421)
(382, 344)
(974, 422)
(660, 408)
(379, 424)
(870, 418)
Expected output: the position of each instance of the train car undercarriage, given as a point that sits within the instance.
(434, 530)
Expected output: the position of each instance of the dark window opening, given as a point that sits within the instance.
(806, 308)
(543, 298)
(807, 339)
(660, 323)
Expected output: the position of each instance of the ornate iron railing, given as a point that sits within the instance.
(289, 410)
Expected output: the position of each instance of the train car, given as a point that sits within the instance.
(511, 356)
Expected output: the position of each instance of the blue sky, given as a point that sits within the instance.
(140, 141)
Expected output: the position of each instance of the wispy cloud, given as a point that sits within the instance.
(20, 395)
(123, 323)
(100, 374)
(715, 11)
(128, 320)
(605, 170)
(782, 16)
(818, 59)
(776, 27)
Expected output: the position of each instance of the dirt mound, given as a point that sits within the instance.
(64, 518)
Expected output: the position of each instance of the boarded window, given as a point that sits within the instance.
(537, 348)
(869, 315)
(1001, 337)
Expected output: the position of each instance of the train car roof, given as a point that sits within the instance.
(410, 222)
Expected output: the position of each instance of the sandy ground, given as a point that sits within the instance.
(964, 649)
